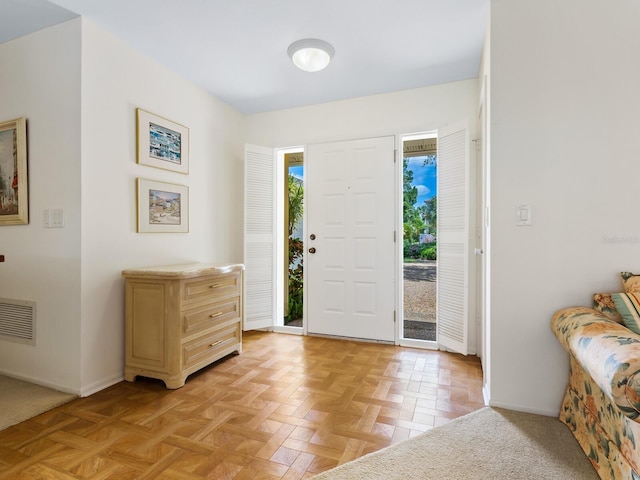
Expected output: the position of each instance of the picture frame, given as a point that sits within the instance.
(161, 143)
(14, 192)
(162, 207)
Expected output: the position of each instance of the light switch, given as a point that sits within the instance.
(523, 215)
(57, 218)
(53, 218)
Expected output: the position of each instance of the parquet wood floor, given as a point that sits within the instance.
(287, 408)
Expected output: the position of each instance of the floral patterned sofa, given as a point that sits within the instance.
(602, 401)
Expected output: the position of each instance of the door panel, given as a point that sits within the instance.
(350, 209)
(259, 235)
(453, 238)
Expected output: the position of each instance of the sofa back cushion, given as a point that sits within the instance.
(603, 303)
(630, 282)
(628, 304)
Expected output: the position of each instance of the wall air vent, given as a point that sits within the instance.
(18, 321)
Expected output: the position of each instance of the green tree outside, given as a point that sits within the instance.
(418, 219)
(296, 247)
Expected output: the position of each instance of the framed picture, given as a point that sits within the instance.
(162, 143)
(162, 207)
(14, 194)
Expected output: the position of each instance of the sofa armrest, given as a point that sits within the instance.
(608, 352)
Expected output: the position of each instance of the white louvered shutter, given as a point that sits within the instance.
(259, 237)
(453, 238)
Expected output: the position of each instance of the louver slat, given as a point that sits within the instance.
(259, 238)
(453, 235)
(17, 321)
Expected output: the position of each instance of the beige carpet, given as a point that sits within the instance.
(490, 444)
(21, 400)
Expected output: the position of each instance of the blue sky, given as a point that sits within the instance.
(297, 171)
(424, 178)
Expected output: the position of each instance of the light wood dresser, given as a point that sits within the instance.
(181, 318)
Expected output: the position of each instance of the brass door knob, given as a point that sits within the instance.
(312, 250)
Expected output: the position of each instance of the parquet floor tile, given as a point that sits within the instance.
(288, 407)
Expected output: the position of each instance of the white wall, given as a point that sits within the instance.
(564, 129)
(79, 88)
(408, 111)
(40, 80)
(115, 81)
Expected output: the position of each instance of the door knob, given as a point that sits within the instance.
(312, 250)
(312, 236)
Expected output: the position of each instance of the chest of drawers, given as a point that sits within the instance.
(181, 318)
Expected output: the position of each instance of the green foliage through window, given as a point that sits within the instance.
(296, 248)
(418, 219)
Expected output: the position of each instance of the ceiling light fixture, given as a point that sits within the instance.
(310, 54)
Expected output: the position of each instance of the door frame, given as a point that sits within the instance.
(484, 226)
(405, 342)
(472, 345)
(280, 259)
(279, 161)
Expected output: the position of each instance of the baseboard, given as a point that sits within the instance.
(524, 409)
(95, 387)
(42, 382)
(85, 391)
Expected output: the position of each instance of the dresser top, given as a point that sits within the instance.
(184, 270)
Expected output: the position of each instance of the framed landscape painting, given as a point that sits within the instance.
(161, 142)
(162, 207)
(14, 194)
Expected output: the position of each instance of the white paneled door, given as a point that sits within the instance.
(350, 241)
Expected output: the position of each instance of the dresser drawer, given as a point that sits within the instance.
(202, 349)
(210, 316)
(210, 287)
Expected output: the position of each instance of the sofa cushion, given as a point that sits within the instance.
(630, 282)
(603, 303)
(628, 304)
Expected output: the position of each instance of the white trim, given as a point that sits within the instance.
(399, 273)
(95, 387)
(289, 330)
(84, 391)
(415, 343)
(40, 381)
(520, 408)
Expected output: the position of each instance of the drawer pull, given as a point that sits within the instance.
(215, 285)
(217, 314)
(215, 344)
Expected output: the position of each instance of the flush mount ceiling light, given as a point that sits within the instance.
(310, 54)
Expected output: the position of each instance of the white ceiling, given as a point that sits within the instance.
(237, 49)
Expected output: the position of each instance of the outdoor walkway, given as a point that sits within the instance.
(420, 300)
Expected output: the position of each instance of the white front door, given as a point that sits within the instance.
(350, 252)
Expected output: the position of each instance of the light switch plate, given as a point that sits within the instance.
(53, 218)
(524, 215)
